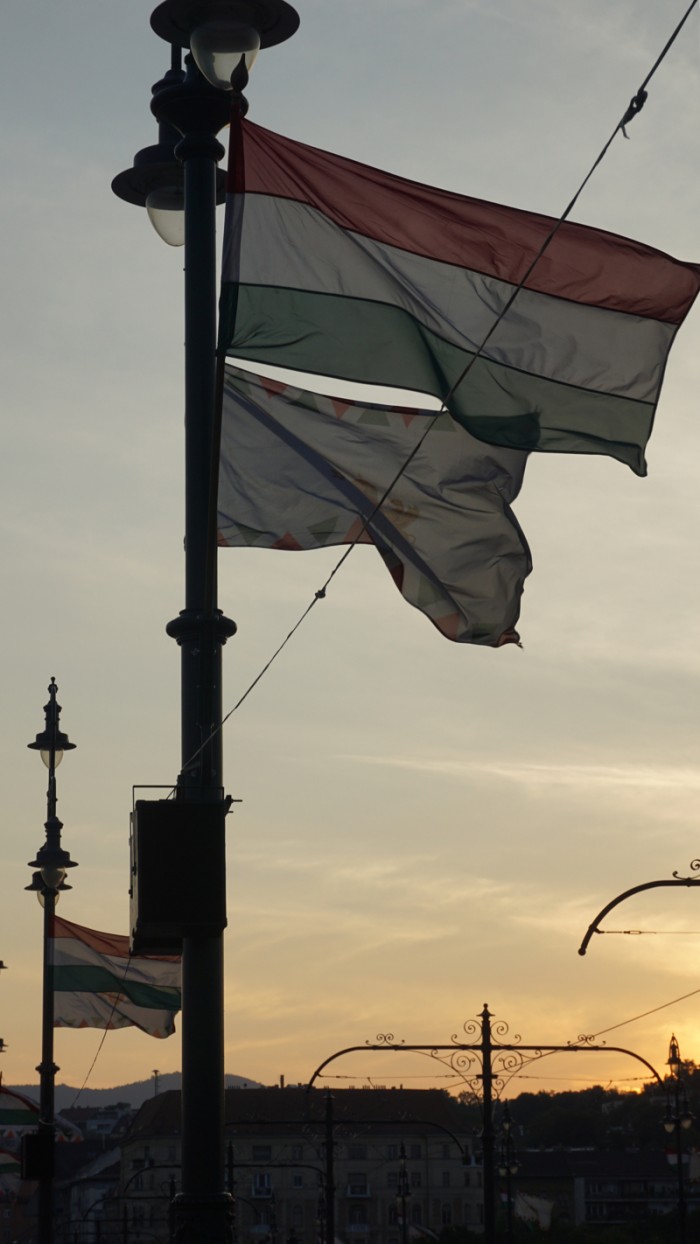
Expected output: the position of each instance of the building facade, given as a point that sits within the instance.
(399, 1164)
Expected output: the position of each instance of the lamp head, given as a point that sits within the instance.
(41, 888)
(52, 862)
(223, 33)
(52, 742)
(674, 1058)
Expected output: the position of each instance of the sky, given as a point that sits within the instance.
(424, 826)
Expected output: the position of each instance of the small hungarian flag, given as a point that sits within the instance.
(19, 1114)
(301, 471)
(98, 984)
(338, 269)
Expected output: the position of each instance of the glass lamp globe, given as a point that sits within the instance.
(218, 46)
(46, 757)
(166, 212)
(52, 877)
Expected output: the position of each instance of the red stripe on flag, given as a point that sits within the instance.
(582, 264)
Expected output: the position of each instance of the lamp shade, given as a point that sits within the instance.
(176, 20)
(51, 741)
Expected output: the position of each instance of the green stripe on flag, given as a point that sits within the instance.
(373, 343)
(98, 980)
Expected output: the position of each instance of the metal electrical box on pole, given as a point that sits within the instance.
(178, 873)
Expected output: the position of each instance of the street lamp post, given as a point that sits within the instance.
(51, 863)
(678, 1119)
(223, 36)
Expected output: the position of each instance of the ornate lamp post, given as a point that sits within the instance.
(678, 1119)
(51, 863)
(222, 37)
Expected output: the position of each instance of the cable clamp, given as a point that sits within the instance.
(636, 104)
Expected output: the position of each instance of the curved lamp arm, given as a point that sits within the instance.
(637, 889)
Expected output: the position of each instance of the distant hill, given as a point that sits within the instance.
(135, 1094)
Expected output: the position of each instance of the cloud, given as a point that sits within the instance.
(586, 776)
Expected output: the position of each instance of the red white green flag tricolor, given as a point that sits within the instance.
(335, 268)
(98, 984)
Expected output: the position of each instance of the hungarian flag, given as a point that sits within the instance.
(301, 471)
(98, 984)
(19, 1114)
(338, 269)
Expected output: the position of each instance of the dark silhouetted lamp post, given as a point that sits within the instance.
(178, 853)
(678, 1119)
(51, 864)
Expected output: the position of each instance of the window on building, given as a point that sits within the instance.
(262, 1183)
(357, 1215)
(445, 1179)
(357, 1153)
(297, 1153)
(446, 1214)
(415, 1151)
(416, 1213)
(262, 1153)
(297, 1181)
(446, 1151)
(392, 1179)
(393, 1215)
(415, 1179)
(392, 1151)
(297, 1216)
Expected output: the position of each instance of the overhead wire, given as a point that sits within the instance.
(655, 932)
(634, 108)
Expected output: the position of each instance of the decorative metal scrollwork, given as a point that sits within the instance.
(385, 1038)
(694, 868)
(585, 1039)
(500, 1030)
(471, 1028)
